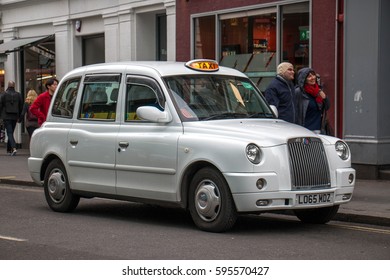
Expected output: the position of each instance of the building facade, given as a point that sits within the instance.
(345, 41)
(44, 39)
(48, 38)
(254, 36)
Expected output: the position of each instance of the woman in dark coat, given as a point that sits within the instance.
(312, 102)
(31, 121)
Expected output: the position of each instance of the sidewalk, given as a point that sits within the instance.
(370, 203)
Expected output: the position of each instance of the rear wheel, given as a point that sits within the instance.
(56, 186)
(317, 215)
(210, 201)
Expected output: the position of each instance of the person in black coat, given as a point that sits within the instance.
(11, 105)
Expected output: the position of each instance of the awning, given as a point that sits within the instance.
(19, 44)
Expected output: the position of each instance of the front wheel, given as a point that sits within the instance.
(57, 192)
(210, 201)
(317, 215)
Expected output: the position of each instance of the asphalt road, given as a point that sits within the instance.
(102, 229)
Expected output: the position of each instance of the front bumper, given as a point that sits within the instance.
(287, 200)
(277, 193)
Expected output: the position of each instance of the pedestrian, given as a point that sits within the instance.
(41, 105)
(11, 106)
(31, 121)
(2, 127)
(280, 92)
(312, 102)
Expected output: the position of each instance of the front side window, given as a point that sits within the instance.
(141, 91)
(99, 99)
(65, 100)
(210, 97)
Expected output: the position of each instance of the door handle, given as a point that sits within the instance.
(123, 144)
(73, 142)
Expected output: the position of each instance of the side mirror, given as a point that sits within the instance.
(275, 110)
(150, 113)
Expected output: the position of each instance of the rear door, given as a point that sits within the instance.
(93, 137)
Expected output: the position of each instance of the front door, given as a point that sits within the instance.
(147, 152)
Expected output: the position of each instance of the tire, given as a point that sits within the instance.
(317, 215)
(210, 201)
(56, 186)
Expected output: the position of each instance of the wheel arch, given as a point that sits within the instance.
(46, 163)
(188, 174)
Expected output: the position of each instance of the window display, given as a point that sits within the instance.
(248, 40)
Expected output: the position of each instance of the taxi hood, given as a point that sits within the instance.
(263, 132)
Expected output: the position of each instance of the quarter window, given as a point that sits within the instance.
(65, 100)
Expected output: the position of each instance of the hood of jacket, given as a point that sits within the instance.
(302, 75)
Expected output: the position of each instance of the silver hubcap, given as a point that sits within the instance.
(57, 186)
(207, 200)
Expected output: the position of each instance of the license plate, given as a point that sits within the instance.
(315, 198)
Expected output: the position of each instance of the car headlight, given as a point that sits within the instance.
(253, 153)
(342, 150)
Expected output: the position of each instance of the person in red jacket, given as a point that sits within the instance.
(40, 107)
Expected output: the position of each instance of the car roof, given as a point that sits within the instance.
(163, 68)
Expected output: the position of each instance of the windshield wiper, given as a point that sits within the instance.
(225, 115)
(261, 115)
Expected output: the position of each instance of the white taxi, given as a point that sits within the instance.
(193, 135)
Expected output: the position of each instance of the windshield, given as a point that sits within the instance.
(210, 97)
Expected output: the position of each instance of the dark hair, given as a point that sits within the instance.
(50, 82)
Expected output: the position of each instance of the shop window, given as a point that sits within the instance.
(248, 40)
(204, 37)
(248, 44)
(39, 65)
(295, 41)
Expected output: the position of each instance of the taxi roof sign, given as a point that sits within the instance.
(204, 65)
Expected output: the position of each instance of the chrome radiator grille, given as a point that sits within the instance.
(308, 164)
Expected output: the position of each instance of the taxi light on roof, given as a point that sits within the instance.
(205, 65)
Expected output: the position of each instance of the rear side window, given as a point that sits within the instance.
(99, 97)
(65, 100)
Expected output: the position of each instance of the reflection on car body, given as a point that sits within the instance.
(193, 135)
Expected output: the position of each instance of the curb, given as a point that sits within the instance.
(362, 219)
(18, 182)
(340, 216)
